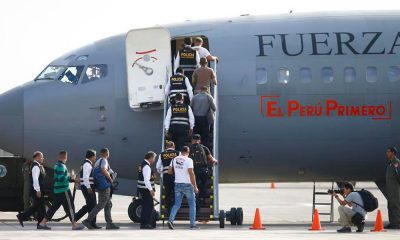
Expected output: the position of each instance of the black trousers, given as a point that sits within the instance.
(201, 181)
(91, 201)
(179, 135)
(38, 207)
(147, 207)
(62, 199)
(202, 127)
(169, 185)
(189, 75)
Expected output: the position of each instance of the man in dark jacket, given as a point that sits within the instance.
(393, 188)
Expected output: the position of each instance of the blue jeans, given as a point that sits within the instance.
(186, 189)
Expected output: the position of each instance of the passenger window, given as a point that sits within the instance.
(71, 75)
(305, 75)
(95, 72)
(371, 74)
(394, 74)
(283, 75)
(261, 76)
(327, 74)
(349, 74)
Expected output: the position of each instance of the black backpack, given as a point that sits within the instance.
(369, 200)
(198, 155)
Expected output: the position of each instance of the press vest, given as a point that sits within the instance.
(188, 59)
(166, 158)
(140, 181)
(41, 177)
(90, 176)
(180, 116)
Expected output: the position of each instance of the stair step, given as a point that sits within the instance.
(323, 204)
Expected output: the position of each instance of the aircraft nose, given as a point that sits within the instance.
(12, 121)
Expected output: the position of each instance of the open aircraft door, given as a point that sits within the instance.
(148, 59)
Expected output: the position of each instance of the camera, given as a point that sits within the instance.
(337, 191)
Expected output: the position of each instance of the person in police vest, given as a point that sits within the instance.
(179, 122)
(37, 176)
(146, 189)
(179, 83)
(87, 186)
(164, 160)
(187, 58)
(393, 188)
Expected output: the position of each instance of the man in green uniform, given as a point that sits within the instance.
(393, 188)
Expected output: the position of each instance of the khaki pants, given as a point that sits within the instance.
(345, 214)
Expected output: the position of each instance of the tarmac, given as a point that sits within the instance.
(285, 212)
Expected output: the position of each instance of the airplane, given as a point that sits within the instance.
(302, 97)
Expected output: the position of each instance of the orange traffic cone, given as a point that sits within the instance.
(257, 225)
(316, 224)
(379, 223)
(272, 185)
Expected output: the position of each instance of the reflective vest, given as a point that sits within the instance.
(187, 58)
(166, 158)
(90, 176)
(180, 115)
(41, 177)
(140, 181)
(178, 85)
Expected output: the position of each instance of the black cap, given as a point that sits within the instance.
(196, 137)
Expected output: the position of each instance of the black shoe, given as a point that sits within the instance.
(360, 227)
(344, 230)
(392, 226)
(111, 226)
(194, 228)
(87, 224)
(41, 227)
(170, 225)
(20, 220)
(147, 226)
(95, 226)
(78, 228)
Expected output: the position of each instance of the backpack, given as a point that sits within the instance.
(100, 181)
(369, 200)
(198, 155)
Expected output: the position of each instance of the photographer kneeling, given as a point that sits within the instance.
(354, 215)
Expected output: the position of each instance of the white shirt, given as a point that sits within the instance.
(203, 52)
(169, 115)
(87, 170)
(146, 176)
(181, 164)
(159, 165)
(178, 60)
(35, 177)
(188, 87)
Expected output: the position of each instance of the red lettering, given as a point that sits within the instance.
(381, 110)
(331, 105)
(273, 110)
(293, 106)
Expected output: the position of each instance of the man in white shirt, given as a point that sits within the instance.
(37, 188)
(87, 187)
(179, 122)
(147, 190)
(203, 52)
(185, 185)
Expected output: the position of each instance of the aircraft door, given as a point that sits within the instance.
(148, 59)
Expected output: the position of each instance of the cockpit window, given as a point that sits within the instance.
(95, 72)
(71, 75)
(51, 73)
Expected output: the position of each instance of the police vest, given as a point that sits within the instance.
(188, 59)
(41, 177)
(90, 176)
(180, 115)
(178, 85)
(166, 158)
(140, 181)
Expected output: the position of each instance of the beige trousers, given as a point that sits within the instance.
(345, 214)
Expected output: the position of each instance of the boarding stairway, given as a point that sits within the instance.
(208, 209)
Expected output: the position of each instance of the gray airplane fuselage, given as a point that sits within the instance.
(287, 110)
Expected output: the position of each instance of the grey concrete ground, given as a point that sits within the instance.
(285, 212)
